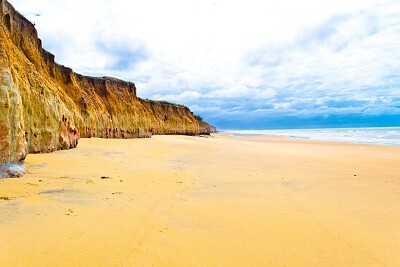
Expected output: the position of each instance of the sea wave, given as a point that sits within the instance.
(379, 135)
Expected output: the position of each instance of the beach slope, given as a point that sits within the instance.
(191, 201)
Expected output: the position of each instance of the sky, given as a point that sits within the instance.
(239, 64)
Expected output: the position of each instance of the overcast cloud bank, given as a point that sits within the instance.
(239, 65)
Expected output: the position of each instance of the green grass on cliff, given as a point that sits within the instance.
(164, 102)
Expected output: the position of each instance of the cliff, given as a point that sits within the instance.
(45, 106)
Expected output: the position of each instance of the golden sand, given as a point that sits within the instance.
(190, 201)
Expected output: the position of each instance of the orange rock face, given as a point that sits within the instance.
(46, 107)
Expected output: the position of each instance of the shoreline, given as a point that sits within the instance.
(387, 136)
(180, 200)
(304, 139)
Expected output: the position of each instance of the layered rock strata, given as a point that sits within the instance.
(45, 106)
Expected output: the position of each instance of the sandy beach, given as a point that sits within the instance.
(191, 201)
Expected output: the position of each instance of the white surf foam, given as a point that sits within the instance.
(382, 135)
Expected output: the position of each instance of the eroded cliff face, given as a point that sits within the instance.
(46, 107)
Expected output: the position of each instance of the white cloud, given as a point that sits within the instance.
(186, 95)
(234, 57)
(236, 91)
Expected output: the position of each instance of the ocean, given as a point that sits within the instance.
(381, 135)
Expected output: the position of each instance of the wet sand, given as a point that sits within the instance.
(190, 201)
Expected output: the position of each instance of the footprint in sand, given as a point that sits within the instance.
(69, 212)
(6, 198)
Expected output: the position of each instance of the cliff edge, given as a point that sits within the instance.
(45, 106)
